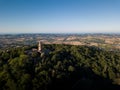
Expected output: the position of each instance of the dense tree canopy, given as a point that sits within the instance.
(62, 67)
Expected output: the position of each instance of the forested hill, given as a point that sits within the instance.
(59, 67)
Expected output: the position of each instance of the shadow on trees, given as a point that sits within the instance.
(83, 79)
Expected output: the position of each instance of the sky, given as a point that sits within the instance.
(59, 16)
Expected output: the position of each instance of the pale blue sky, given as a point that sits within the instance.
(59, 16)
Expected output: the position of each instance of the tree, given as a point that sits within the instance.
(71, 68)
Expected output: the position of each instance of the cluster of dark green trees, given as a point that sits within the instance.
(63, 67)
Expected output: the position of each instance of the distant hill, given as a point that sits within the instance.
(106, 41)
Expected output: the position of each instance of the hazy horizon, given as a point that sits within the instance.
(59, 16)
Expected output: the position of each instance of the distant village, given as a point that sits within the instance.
(109, 41)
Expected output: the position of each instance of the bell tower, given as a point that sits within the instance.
(39, 47)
